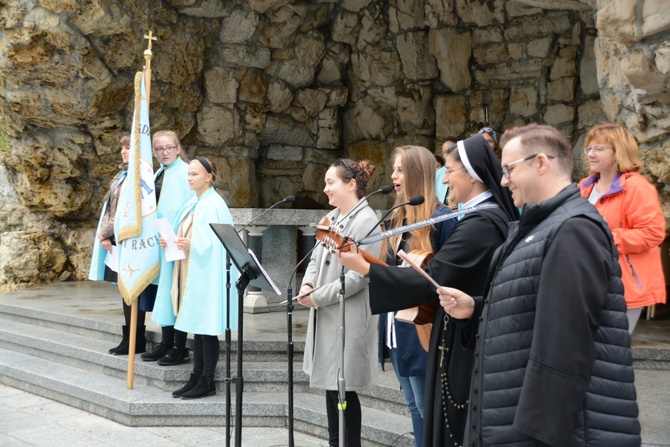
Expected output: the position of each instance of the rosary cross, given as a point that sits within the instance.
(442, 349)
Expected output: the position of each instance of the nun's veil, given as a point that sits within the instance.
(482, 164)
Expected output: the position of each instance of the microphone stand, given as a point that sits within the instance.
(239, 381)
(341, 381)
(228, 344)
(287, 199)
(289, 319)
(416, 200)
(290, 350)
(383, 190)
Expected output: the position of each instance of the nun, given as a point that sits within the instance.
(473, 174)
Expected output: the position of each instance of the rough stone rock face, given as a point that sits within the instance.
(275, 90)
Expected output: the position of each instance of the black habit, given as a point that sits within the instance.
(463, 263)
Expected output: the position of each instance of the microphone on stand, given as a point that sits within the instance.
(290, 351)
(287, 199)
(289, 316)
(228, 342)
(383, 190)
(413, 201)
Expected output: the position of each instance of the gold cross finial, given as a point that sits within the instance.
(149, 37)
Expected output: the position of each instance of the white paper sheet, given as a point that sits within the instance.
(112, 259)
(274, 286)
(172, 253)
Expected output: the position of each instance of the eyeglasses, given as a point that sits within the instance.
(165, 149)
(507, 168)
(596, 149)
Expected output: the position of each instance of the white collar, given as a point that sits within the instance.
(478, 199)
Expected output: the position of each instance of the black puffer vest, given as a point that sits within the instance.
(505, 335)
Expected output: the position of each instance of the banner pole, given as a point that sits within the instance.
(148, 54)
(131, 344)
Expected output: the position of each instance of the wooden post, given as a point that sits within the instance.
(131, 343)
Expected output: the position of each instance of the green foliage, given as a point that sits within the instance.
(3, 143)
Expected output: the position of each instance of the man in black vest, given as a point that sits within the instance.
(553, 364)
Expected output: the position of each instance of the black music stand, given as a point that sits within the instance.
(251, 273)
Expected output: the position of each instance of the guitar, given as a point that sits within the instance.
(422, 316)
(334, 241)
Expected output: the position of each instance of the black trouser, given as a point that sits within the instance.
(205, 354)
(172, 337)
(141, 315)
(352, 419)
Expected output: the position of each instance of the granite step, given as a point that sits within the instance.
(110, 333)
(261, 371)
(54, 341)
(146, 405)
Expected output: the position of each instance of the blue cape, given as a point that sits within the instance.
(203, 307)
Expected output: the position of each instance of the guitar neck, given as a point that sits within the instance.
(372, 259)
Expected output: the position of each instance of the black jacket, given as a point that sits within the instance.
(553, 364)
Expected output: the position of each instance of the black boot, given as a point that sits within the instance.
(140, 343)
(167, 342)
(124, 342)
(158, 352)
(205, 387)
(192, 382)
(175, 356)
(141, 340)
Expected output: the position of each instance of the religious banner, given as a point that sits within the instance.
(136, 234)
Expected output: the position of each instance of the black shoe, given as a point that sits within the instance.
(124, 342)
(192, 382)
(140, 343)
(175, 356)
(205, 387)
(156, 354)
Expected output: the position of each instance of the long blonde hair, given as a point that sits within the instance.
(418, 165)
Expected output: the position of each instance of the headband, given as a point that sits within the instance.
(205, 164)
(466, 162)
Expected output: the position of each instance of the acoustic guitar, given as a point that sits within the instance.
(422, 316)
(334, 241)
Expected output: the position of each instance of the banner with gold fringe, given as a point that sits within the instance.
(136, 235)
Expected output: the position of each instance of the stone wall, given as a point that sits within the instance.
(275, 90)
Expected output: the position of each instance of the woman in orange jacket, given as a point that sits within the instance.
(630, 205)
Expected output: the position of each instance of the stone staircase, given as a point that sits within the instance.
(54, 342)
(57, 353)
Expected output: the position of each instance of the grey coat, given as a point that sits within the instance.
(322, 355)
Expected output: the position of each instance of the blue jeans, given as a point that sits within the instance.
(413, 388)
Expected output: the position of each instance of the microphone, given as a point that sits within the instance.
(413, 201)
(287, 199)
(383, 190)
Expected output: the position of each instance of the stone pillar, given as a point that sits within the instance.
(279, 257)
(308, 242)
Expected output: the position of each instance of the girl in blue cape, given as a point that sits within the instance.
(197, 284)
(172, 193)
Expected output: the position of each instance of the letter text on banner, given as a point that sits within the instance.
(135, 232)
